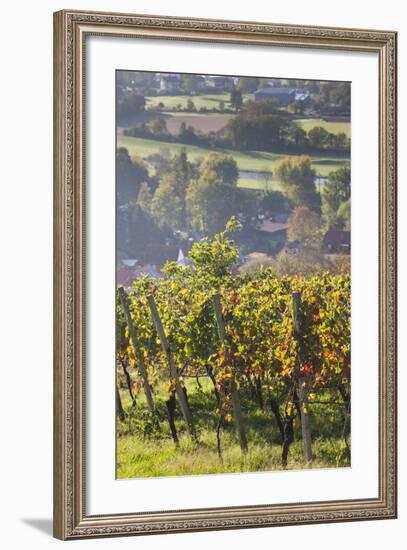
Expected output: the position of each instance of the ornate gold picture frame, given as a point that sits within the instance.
(71, 30)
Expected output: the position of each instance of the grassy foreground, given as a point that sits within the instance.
(143, 452)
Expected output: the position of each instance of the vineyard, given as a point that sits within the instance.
(219, 371)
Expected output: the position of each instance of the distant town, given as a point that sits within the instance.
(194, 150)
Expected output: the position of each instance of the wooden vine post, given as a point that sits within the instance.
(237, 409)
(137, 353)
(303, 388)
(186, 413)
(119, 407)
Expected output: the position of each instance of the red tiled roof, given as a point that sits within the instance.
(125, 276)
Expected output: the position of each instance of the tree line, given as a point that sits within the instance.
(202, 196)
(251, 129)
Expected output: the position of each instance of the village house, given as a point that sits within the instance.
(270, 236)
(170, 83)
(336, 241)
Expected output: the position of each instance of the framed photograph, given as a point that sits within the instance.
(225, 274)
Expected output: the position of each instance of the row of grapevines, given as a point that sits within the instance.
(261, 342)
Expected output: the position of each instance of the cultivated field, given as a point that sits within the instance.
(200, 122)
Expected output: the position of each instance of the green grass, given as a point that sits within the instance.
(333, 127)
(250, 160)
(156, 455)
(208, 101)
(260, 184)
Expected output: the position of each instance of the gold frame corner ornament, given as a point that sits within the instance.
(70, 31)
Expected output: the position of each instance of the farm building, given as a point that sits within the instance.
(271, 236)
(336, 241)
(284, 96)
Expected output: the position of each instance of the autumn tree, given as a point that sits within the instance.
(304, 226)
(307, 263)
(262, 107)
(157, 126)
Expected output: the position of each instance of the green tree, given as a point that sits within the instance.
(274, 202)
(186, 134)
(131, 172)
(296, 135)
(145, 197)
(183, 172)
(189, 83)
(341, 141)
(190, 106)
(263, 132)
(318, 137)
(217, 257)
(129, 105)
(236, 99)
(298, 176)
(335, 192)
(343, 215)
(340, 95)
(167, 206)
(248, 84)
(224, 167)
(212, 198)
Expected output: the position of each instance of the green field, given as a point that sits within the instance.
(260, 184)
(155, 455)
(333, 127)
(250, 160)
(208, 101)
